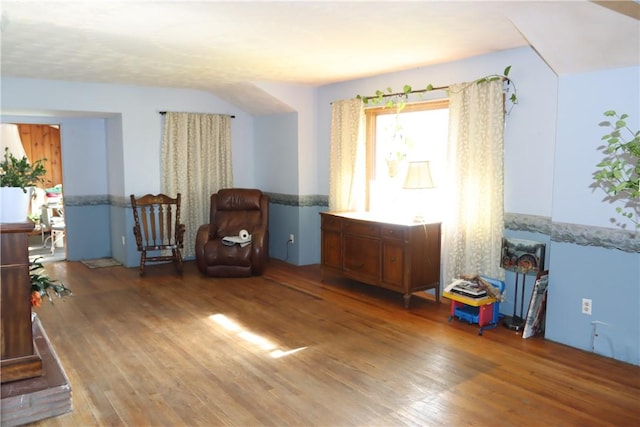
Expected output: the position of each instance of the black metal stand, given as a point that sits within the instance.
(516, 323)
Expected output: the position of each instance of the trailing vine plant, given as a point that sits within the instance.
(618, 173)
(387, 98)
(398, 100)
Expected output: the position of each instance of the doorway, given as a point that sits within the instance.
(42, 142)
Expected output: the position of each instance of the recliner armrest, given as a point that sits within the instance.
(202, 237)
(259, 249)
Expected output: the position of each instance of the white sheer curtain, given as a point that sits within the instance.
(474, 220)
(196, 162)
(347, 171)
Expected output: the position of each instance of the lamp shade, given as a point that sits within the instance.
(418, 176)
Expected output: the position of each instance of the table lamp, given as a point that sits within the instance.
(418, 178)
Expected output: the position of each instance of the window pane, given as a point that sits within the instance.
(416, 134)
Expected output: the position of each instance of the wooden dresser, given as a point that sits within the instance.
(19, 358)
(404, 257)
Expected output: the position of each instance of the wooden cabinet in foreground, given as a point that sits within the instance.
(19, 358)
(404, 257)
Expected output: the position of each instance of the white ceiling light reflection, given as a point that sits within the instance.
(250, 337)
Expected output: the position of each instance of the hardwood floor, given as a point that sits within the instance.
(289, 350)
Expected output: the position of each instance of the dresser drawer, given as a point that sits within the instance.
(362, 228)
(330, 222)
(394, 232)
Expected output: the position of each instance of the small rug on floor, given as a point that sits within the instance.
(100, 262)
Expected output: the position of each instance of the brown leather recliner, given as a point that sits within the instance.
(233, 210)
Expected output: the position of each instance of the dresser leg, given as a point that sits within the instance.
(407, 298)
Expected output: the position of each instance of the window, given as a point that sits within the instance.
(418, 132)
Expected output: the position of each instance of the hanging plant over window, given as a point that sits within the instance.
(398, 100)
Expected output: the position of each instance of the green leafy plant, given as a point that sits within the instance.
(398, 100)
(42, 286)
(618, 173)
(20, 173)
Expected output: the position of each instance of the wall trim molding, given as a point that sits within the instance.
(302, 201)
(93, 200)
(577, 234)
(523, 222)
(585, 235)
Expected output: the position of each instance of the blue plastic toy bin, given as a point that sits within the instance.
(479, 315)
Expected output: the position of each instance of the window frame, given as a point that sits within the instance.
(371, 115)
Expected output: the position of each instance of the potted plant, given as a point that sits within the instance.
(396, 143)
(619, 172)
(17, 177)
(42, 285)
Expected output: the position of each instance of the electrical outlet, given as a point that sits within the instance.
(587, 306)
(291, 239)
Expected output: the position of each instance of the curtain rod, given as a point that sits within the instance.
(387, 95)
(162, 113)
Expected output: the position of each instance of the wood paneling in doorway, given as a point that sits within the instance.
(43, 142)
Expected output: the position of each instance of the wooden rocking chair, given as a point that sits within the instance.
(157, 228)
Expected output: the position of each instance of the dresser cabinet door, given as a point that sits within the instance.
(392, 255)
(331, 241)
(362, 256)
(331, 249)
(393, 264)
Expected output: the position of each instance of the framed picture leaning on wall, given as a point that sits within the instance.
(522, 256)
(534, 322)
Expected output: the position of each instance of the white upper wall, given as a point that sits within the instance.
(88, 137)
(530, 127)
(276, 151)
(543, 176)
(583, 100)
(139, 108)
(303, 100)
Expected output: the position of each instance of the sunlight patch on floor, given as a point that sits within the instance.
(276, 354)
(258, 340)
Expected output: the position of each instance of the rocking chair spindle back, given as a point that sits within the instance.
(157, 228)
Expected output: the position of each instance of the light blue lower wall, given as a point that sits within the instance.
(611, 279)
(95, 226)
(298, 215)
(600, 264)
(87, 227)
(87, 231)
(122, 225)
(283, 220)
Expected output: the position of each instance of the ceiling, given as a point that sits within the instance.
(228, 47)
